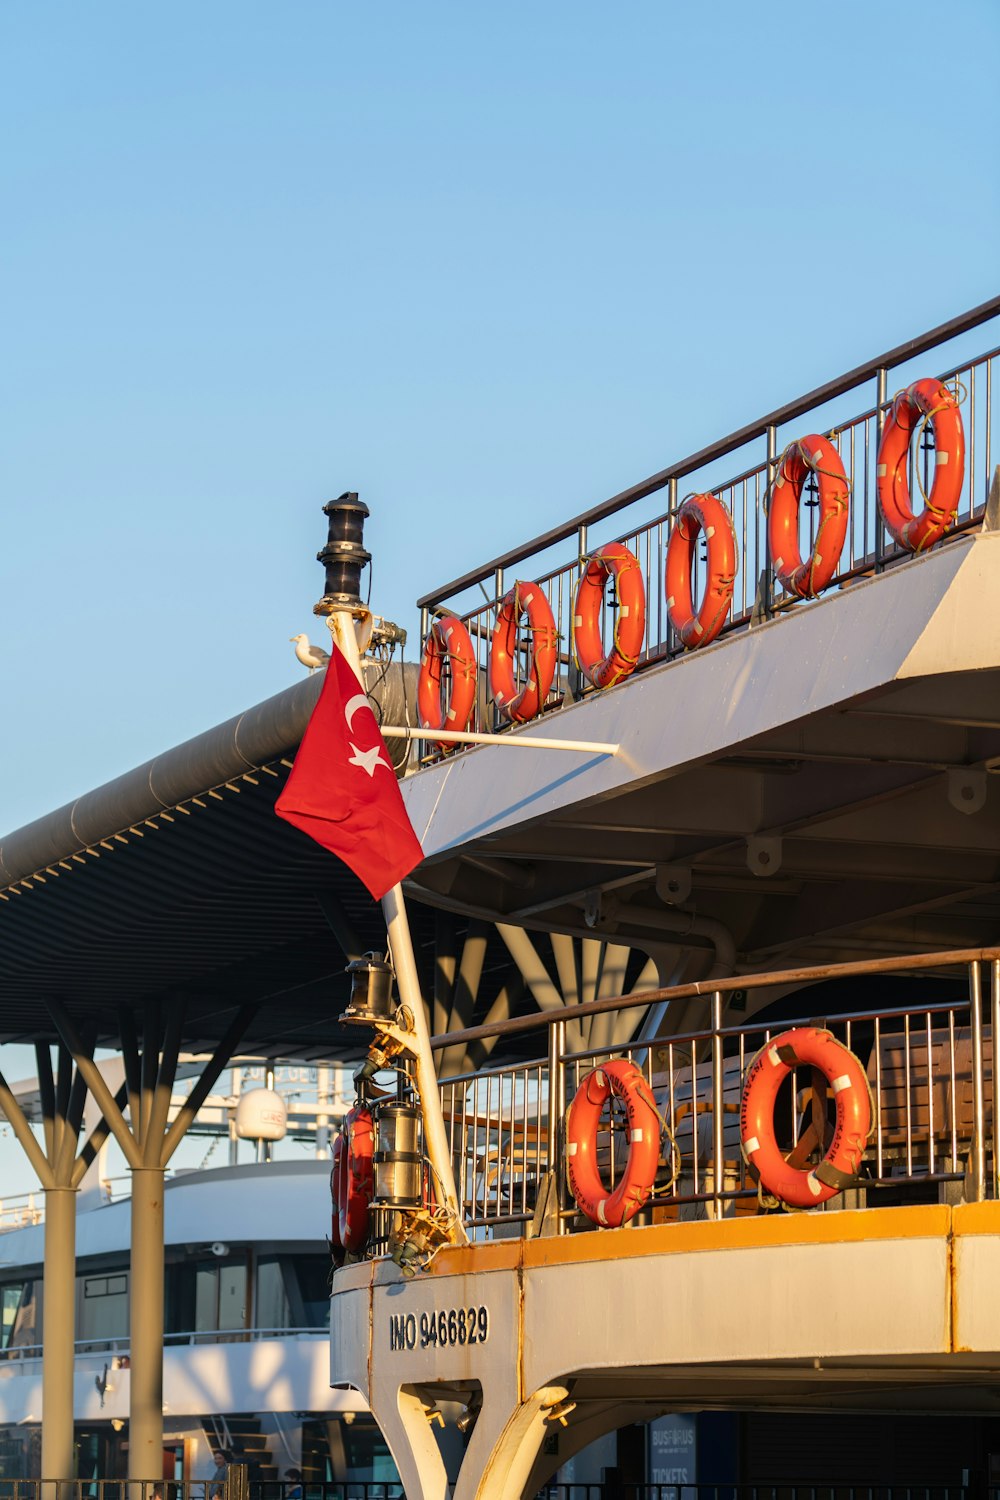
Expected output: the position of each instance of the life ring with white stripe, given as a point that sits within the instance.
(805, 578)
(602, 668)
(522, 704)
(355, 1169)
(705, 515)
(806, 1046)
(924, 401)
(624, 1080)
(448, 644)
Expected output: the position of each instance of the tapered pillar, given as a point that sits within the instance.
(60, 1171)
(58, 1328)
(145, 1426)
(148, 1140)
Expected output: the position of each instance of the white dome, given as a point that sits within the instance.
(261, 1116)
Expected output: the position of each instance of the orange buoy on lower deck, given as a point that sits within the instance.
(624, 1080)
(809, 1046)
(605, 668)
(703, 515)
(806, 577)
(924, 401)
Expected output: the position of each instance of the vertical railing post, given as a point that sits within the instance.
(578, 679)
(668, 641)
(554, 1121)
(498, 581)
(766, 583)
(718, 1103)
(995, 1077)
(881, 390)
(978, 1121)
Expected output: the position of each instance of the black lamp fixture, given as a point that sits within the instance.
(344, 555)
(372, 1002)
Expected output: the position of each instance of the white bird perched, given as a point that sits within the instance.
(312, 657)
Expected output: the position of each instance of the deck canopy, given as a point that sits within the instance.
(176, 884)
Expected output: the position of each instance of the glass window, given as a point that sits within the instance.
(314, 1283)
(102, 1311)
(233, 1296)
(272, 1309)
(220, 1296)
(206, 1297)
(19, 1325)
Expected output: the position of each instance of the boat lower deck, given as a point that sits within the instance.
(579, 1334)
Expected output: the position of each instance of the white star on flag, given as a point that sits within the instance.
(367, 759)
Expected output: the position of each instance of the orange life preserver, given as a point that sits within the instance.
(623, 1079)
(339, 1160)
(925, 400)
(812, 1046)
(809, 455)
(708, 515)
(356, 1182)
(447, 641)
(617, 562)
(522, 705)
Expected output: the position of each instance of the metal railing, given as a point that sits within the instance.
(799, 1490)
(741, 478)
(237, 1487)
(21, 1211)
(930, 1070)
(119, 1344)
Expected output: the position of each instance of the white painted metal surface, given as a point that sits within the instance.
(932, 615)
(284, 1202)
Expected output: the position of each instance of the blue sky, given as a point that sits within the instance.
(485, 264)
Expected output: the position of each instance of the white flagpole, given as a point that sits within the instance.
(511, 741)
(405, 965)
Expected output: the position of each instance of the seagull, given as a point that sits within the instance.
(312, 657)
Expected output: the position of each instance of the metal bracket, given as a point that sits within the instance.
(764, 855)
(673, 883)
(967, 789)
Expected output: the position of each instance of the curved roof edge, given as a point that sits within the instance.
(243, 743)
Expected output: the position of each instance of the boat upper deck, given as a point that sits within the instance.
(812, 785)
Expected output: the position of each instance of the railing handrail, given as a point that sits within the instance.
(738, 439)
(705, 987)
(119, 1343)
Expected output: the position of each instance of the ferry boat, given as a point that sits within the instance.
(744, 868)
(707, 927)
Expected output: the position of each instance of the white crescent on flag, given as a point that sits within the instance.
(360, 700)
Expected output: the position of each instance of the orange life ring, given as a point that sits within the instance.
(356, 1183)
(814, 1047)
(925, 400)
(708, 515)
(523, 704)
(611, 561)
(623, 1079)
(339, 1161)
(809, 455)
(447, 641)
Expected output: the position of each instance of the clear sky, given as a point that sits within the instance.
(484, 263)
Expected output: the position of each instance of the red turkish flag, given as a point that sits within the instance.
(342, 789)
